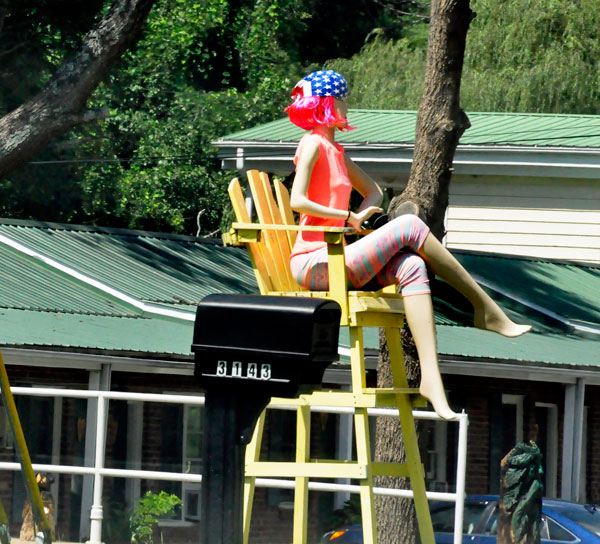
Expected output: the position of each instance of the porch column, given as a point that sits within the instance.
(98, 381)
(572, 440)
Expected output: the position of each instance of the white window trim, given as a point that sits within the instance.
(551, 453)
(517, 400)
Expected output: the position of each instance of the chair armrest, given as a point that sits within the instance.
(294, 228)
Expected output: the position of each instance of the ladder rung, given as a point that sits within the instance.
(399, 470)
(313, 469)
(390, 391)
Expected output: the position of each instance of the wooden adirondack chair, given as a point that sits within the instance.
(269, 243)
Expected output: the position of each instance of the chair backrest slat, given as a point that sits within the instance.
(263, 266)
(283, 199)
(277, 242)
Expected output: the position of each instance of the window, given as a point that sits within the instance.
(443, 517)
(181, 451)
(512, 411)
(192, 460)
(546, 418)
(556, 531)
(434, 455)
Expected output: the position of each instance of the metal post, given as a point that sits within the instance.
(566, 487)
(96, 514)
(578, 416)
(232, 417)
(461, 472)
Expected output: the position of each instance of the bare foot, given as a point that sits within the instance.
(437, 397)
(495, 320)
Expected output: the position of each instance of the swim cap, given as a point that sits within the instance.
(321, 83)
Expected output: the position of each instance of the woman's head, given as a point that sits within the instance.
(319, 100)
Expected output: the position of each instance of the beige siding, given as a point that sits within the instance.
(526, 216)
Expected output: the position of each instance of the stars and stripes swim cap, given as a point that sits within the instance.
(321, 83)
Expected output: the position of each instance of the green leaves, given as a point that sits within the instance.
(146, 513)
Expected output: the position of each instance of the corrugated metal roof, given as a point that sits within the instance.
(566, 289)
(42, 306)
(150, 334)
(553, 349)
(398, 127)
(169, 270)
(27, 284)
(534, 348)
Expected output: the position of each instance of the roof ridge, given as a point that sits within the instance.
(486, 113)
(32, 223)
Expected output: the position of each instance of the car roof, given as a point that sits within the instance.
(546, 502)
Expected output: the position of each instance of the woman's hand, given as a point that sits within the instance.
(355, 220)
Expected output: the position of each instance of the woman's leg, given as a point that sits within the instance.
(410, 273)
(419, 316)
(367, 256)
(488, 315)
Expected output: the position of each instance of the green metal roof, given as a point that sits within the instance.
(165, 269)
(560, 300)
(562, 288)
(45, 303)
(534, 348)
(398, 127)
(153, 335)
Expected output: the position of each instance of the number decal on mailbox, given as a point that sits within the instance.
(252, 371)
(265, 372)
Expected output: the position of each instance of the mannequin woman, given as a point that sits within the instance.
(399, 252)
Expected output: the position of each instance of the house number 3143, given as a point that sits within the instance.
(235, 369)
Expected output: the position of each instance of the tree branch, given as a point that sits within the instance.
(61, 104)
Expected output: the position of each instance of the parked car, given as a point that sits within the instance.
(561, 522)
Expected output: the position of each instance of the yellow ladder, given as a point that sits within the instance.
(364, 469)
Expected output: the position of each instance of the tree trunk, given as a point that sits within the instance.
(62, 103)
(440, 124)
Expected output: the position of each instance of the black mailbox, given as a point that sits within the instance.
(279, 345)
(249, 348)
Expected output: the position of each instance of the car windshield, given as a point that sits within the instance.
(586, 516)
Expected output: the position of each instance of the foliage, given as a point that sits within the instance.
(521, 56)
(526, 56)
(349, 514)
(146, 513)
(385, 75)
(202, 70)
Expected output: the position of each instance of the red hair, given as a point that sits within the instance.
(309, 112)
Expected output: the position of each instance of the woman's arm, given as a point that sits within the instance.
(364, 184)
(299, 200)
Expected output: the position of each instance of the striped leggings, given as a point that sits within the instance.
(375, 260)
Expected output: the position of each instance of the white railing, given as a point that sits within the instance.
(99, 471)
